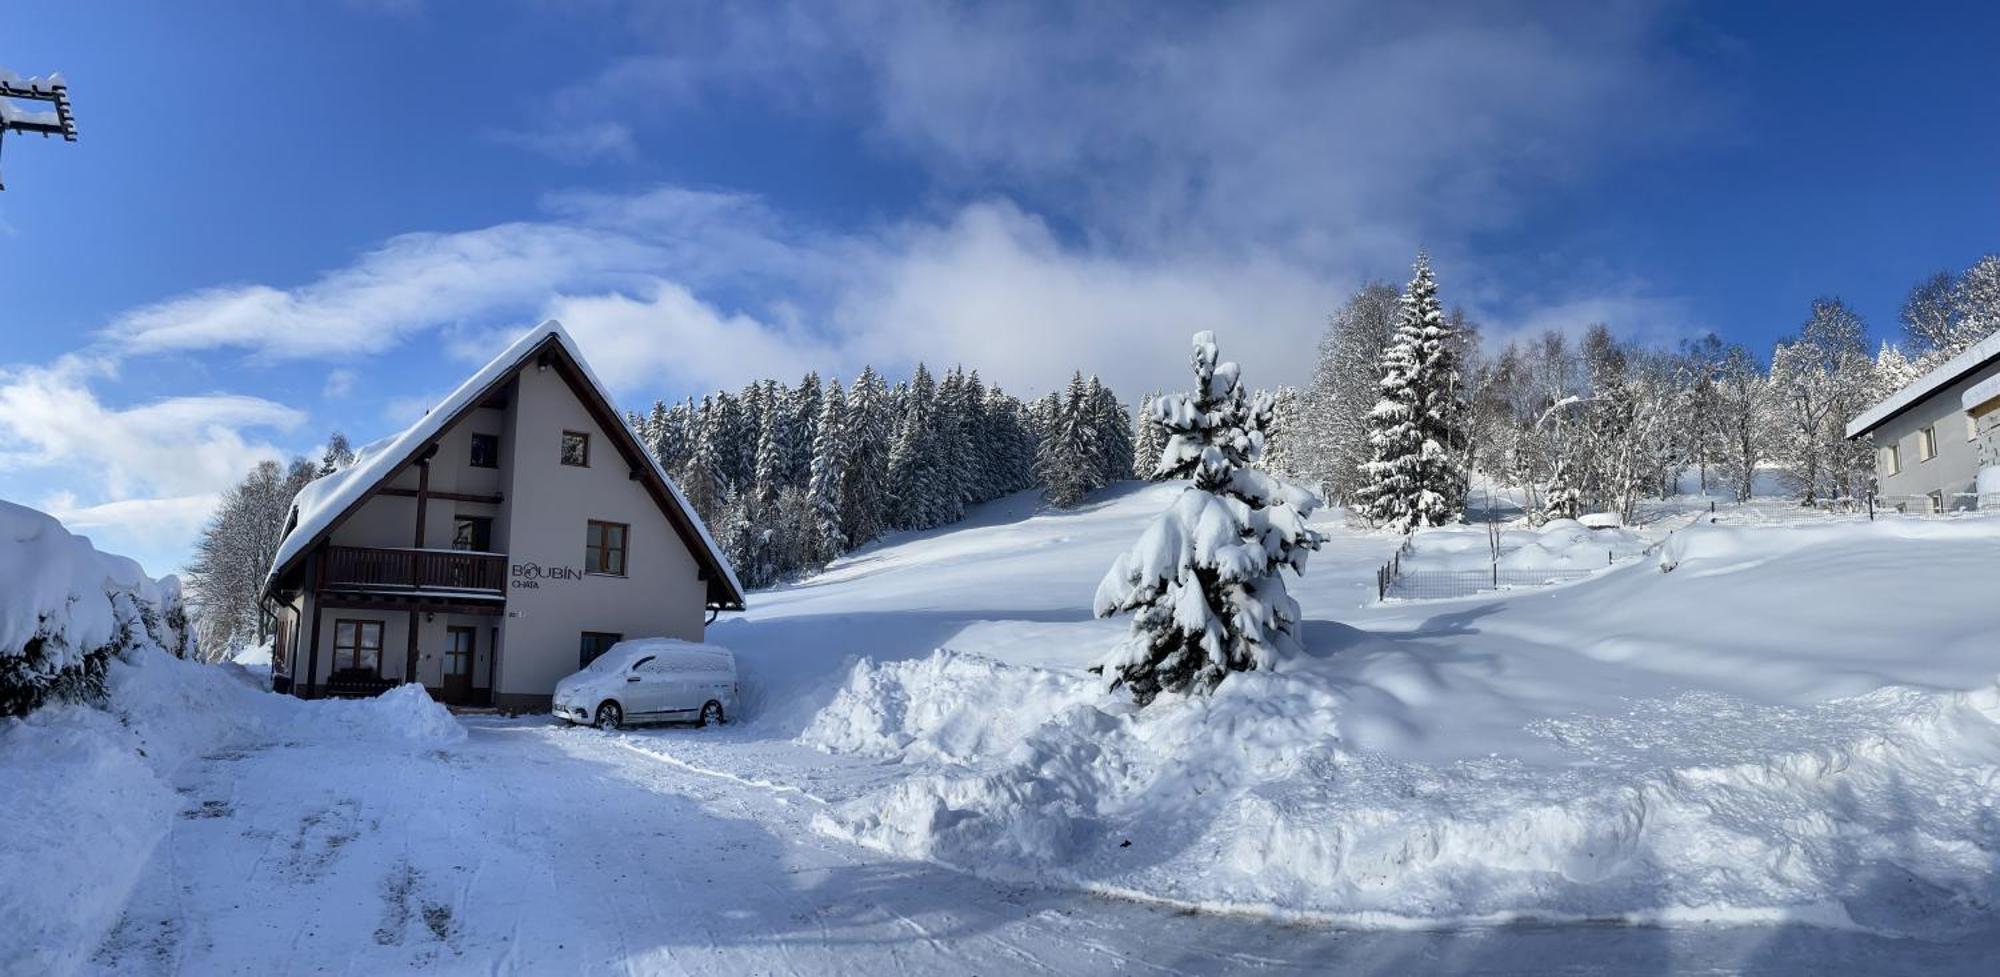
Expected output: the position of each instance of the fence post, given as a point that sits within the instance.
(1871, 507)
(1496, 574)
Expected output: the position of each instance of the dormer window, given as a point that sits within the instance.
(576, 449)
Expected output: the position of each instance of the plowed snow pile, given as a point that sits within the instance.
(1797, 723)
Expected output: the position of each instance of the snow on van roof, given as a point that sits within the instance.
(1950, 370)
(327, 497)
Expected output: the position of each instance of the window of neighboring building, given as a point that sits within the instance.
(357, 646)
(486, 451)
(604, 548)
(576, 449)
(474, 533)
(1892, 459)
(1927, 444)
(595, 643)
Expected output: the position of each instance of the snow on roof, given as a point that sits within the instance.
(327, 497)
(1951, 370)
(1980, 392)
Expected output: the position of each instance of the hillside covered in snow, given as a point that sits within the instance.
(1751, 722)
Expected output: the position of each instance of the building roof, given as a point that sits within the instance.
(1951, 371)
(323, 504)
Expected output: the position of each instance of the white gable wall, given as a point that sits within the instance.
(549, 506)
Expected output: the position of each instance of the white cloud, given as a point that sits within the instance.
(175, 446)
(580, 143)
(339, 383)
(153, 531)
(413, 283)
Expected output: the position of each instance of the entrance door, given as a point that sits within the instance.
(458, 654)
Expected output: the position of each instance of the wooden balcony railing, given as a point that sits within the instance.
(370, 568)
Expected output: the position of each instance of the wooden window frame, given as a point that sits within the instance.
(472, 453)
(354, 650)
(582, 662)
(1892, 457)
(1926, 443)
(623, 549)
(563, 456)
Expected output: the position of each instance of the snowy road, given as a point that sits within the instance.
(531, 849)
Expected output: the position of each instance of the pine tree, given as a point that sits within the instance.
(828, 537)
(702, 477)
(1069, 462)
(865, 497)
(1010, 444)
(802, 429)
(1414, 476)
(916, 479)
(1113, 432)
(1282, 456)
(1149, 438)
(1204, 580)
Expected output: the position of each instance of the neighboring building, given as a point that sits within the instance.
(1937, 441)
(514, 533)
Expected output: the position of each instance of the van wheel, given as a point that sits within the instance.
(609, 716)
(711, 713)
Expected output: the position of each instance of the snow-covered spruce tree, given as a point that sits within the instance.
(1010, 443)
(1114, 432)
(1281, 443)
(1149, 438)
(917, 481)
(700, 475)
(1414, 477)
(869, 428)
(1203, 582)
(1069, 462)
(828, 538)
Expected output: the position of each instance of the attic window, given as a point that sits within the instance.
(576, 449)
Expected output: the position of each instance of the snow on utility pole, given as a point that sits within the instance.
(15, 118)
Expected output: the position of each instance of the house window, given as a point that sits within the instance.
(1937, 501)
(595, 643)
(486, 451)
(357, 646)
(1892, 459)
(1927, 444)
(604, 548)
(474, 533)
(576, 449)
(1971, 428)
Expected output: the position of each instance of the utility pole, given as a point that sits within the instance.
(57, 120)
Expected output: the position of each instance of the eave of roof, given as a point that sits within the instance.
(1950, 371)
(324, 503)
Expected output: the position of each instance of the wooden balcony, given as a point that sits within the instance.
(374, 570)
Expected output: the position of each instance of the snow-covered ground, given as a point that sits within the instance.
(1782, 755)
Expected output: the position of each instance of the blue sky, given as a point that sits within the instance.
(287, 218)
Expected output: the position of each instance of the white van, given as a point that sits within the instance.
(651, 680)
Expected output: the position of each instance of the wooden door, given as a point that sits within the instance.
(460, 645)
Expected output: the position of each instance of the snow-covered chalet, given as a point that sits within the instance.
(515, 532)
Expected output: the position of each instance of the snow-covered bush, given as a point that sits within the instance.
(65, 609)
(1203, 579)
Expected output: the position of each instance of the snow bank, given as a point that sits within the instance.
(65, 609)
(1880, 818)
(950, 707)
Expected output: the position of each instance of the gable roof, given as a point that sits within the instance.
(1950, 371)
(322, 505)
